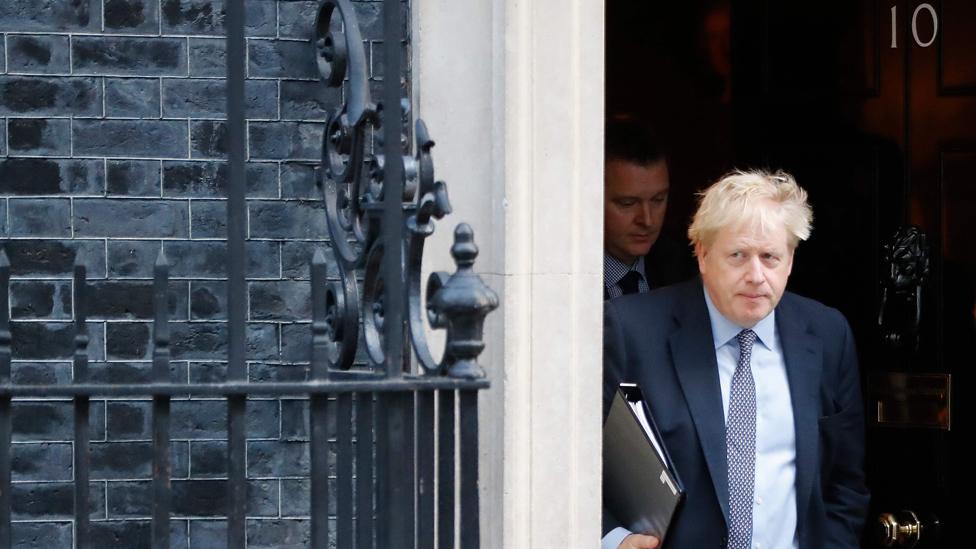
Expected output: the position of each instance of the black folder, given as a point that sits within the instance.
(641, 488)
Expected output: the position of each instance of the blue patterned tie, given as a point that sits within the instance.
(740, 441)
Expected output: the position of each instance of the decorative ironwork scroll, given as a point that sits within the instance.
(380, 424)
(353, 185)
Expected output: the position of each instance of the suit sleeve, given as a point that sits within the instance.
(614, 364)
(614, 355)
(845, 493)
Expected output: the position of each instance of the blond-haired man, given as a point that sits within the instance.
(754, 389)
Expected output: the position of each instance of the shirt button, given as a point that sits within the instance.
(757, 546)
(758, 502)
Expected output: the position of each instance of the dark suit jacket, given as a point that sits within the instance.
(663, 341)
(666, 263)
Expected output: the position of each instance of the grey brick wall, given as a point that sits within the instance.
(112, 146)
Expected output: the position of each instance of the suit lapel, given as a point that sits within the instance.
(802, 352)
(697, 370)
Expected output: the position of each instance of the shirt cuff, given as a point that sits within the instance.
(614, 537)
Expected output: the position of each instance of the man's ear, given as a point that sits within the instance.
(700, 255)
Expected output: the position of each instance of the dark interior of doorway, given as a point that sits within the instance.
(668, 67)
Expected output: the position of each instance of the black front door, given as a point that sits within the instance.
(872, 106)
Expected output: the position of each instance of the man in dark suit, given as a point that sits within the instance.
(636, 185)
(755, 390)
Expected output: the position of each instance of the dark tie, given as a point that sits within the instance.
(740, 440)
(630, 283)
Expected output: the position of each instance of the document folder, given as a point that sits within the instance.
(641, 489)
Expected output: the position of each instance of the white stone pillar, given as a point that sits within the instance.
(512, 92)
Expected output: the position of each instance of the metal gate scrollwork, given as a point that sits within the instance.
(354, 184)
(408, 490)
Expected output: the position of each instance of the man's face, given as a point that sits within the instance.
(634, 201)
(745, 271)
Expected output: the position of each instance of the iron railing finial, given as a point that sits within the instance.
(464, 302)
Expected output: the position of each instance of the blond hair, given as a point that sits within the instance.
(759, 197)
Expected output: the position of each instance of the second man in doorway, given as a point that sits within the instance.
(636, 185)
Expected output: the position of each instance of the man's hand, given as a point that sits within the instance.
(638, 541)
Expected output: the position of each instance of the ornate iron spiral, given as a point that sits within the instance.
(353, 188)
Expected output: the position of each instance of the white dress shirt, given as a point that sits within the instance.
(774, 508)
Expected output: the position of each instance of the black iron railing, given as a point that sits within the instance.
(401, 430)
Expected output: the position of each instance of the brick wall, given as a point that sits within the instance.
(112, 146)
